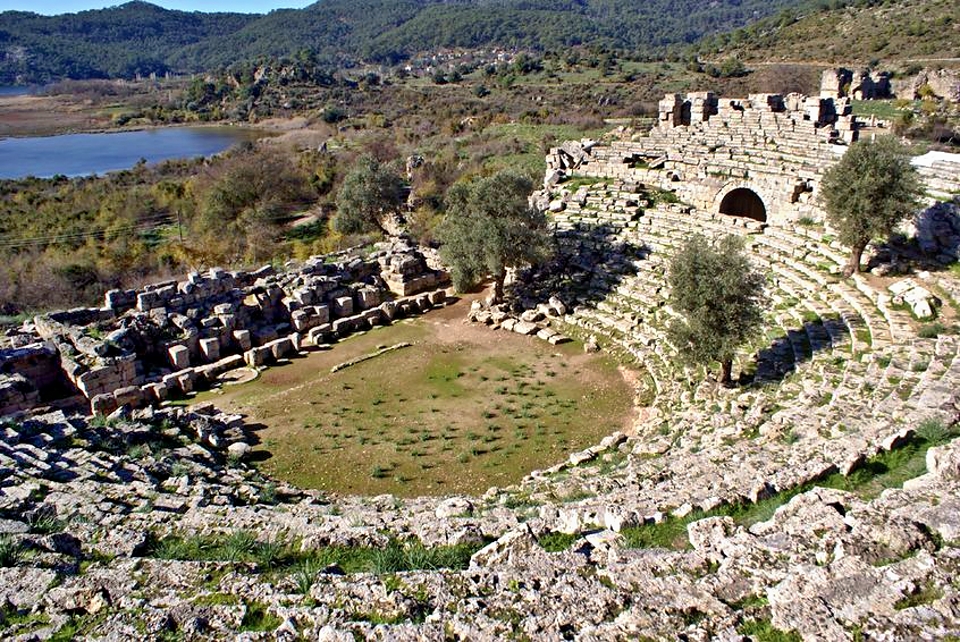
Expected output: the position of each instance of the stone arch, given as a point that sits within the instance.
(742, 200)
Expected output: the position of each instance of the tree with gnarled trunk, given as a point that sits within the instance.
(370, 192)
(490, 226)
(868, 193)
(720, 296)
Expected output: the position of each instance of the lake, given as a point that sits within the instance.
(84, 154)
(17, 90)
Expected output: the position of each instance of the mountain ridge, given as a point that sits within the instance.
(139, 38)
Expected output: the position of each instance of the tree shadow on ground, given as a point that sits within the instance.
(773, 364)
(590, 261)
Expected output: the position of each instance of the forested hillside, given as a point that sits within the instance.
(119, 42)
(141, 38)
(860, 32)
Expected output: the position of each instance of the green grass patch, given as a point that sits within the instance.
(924, 595)
(932, 330)
(242, 547)
(440, 417)
(256, 618)
(557, 542)
(12, 552)
(764, 631)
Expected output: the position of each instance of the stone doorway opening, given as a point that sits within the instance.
(744, 202)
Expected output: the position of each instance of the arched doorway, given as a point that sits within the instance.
(744, 202)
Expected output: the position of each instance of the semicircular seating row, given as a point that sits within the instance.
(838, 375)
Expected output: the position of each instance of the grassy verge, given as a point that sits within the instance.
(280, 557)
(885, 470)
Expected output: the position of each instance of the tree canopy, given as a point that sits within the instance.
(720, 296)
(490, 226)
(137, 37)
(370, 191)
(868, 193)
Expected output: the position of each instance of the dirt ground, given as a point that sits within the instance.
(462, 409)
(48, 115)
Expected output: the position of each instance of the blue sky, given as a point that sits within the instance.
(71, 6)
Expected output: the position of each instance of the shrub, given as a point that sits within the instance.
(12, 552)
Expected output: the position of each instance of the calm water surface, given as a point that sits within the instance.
(18, 90)
(83, 154)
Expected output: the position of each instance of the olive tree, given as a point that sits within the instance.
(868, 193)
(720, 297)
(489, 226)
(370, 192)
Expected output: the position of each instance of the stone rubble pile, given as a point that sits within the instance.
(145, 346)
(534, 322)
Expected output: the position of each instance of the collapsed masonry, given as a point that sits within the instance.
(145, 346)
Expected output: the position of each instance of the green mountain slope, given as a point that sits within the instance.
(139, 37)
(862, 31)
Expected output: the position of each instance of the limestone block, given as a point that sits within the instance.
(103, 405)
(257, 357)
(281, 348)
(129, 396)
(157, 391)
(320, 334)
(181, 321)
(300, 320)
(343, 327)
(546, 334)
(524, 327)
(120, 299)
(321, 314)
(424, 303)
(531, 316)
(186, 380)
(343, 306)
(438, 298)
(179, 356)
(368, 297)
(374, 317)
(297, 340)
(146, 301)
(305, 296)
(210, 349)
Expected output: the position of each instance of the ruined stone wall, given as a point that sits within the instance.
(144, 345)
(705, 147)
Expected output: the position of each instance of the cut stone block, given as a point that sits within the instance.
(210, 348)
(243, 339)
(179, 356)
(343, 306)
